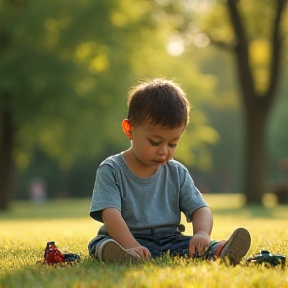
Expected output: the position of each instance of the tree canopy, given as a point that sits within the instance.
(65, 71)
(66, 68)
(256, 35)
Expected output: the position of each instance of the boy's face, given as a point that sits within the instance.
(153, 146)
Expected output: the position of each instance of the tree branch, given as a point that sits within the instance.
(277, 47)
(242, 55)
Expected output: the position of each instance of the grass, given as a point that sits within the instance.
(25, 230)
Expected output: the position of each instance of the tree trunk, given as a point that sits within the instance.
(255, 155)
(6, 144)
(256, 105)
(6, 136)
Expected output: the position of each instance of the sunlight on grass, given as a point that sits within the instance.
(27, 228)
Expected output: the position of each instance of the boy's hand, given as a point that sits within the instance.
(202, 221)
(143, 252)
(199, 243)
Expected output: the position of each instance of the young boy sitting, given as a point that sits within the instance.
(140, 193)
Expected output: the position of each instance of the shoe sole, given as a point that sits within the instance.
(236, 247)
(112, 252)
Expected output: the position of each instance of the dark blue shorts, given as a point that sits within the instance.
(160, 242)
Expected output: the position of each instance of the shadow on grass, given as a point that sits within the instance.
(91, 273)
(43, 275)
(51, 209)
(88, 271)
(79, 208)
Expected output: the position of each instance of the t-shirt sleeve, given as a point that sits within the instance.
(190, 197)
(105, 193)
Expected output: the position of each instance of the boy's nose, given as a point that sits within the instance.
(163, 150)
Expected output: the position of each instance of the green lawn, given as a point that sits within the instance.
(25, 230)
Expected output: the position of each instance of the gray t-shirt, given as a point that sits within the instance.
(155, 201)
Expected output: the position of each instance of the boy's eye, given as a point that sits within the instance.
(153, 143)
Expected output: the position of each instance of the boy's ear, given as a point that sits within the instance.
(127, 128)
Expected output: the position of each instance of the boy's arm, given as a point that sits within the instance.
(202, 221)
(119, 231)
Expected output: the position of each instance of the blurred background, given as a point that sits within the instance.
(66, 68)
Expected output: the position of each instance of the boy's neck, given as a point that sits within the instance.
(136, 167)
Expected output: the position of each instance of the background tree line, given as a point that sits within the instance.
(66, 68)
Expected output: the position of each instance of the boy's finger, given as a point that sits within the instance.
(192, 250)
(147, 254)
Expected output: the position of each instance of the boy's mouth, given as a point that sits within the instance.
(159, 162)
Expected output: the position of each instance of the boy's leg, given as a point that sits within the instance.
(108, 250)
(94, 242)
(233, 249)
(159, 245)
(236, 246)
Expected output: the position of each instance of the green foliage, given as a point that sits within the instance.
(68, 67)
(224, 111)
(26, 229)
(50, 88)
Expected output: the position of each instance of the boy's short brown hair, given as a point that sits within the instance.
(159, 101)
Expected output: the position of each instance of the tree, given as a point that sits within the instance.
(257, 104)
(256, 37)
(53, 56)
(64, 74)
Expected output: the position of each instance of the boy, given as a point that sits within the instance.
(140, 193)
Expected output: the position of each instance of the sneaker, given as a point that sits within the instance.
(236, 246)
(109, 251)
